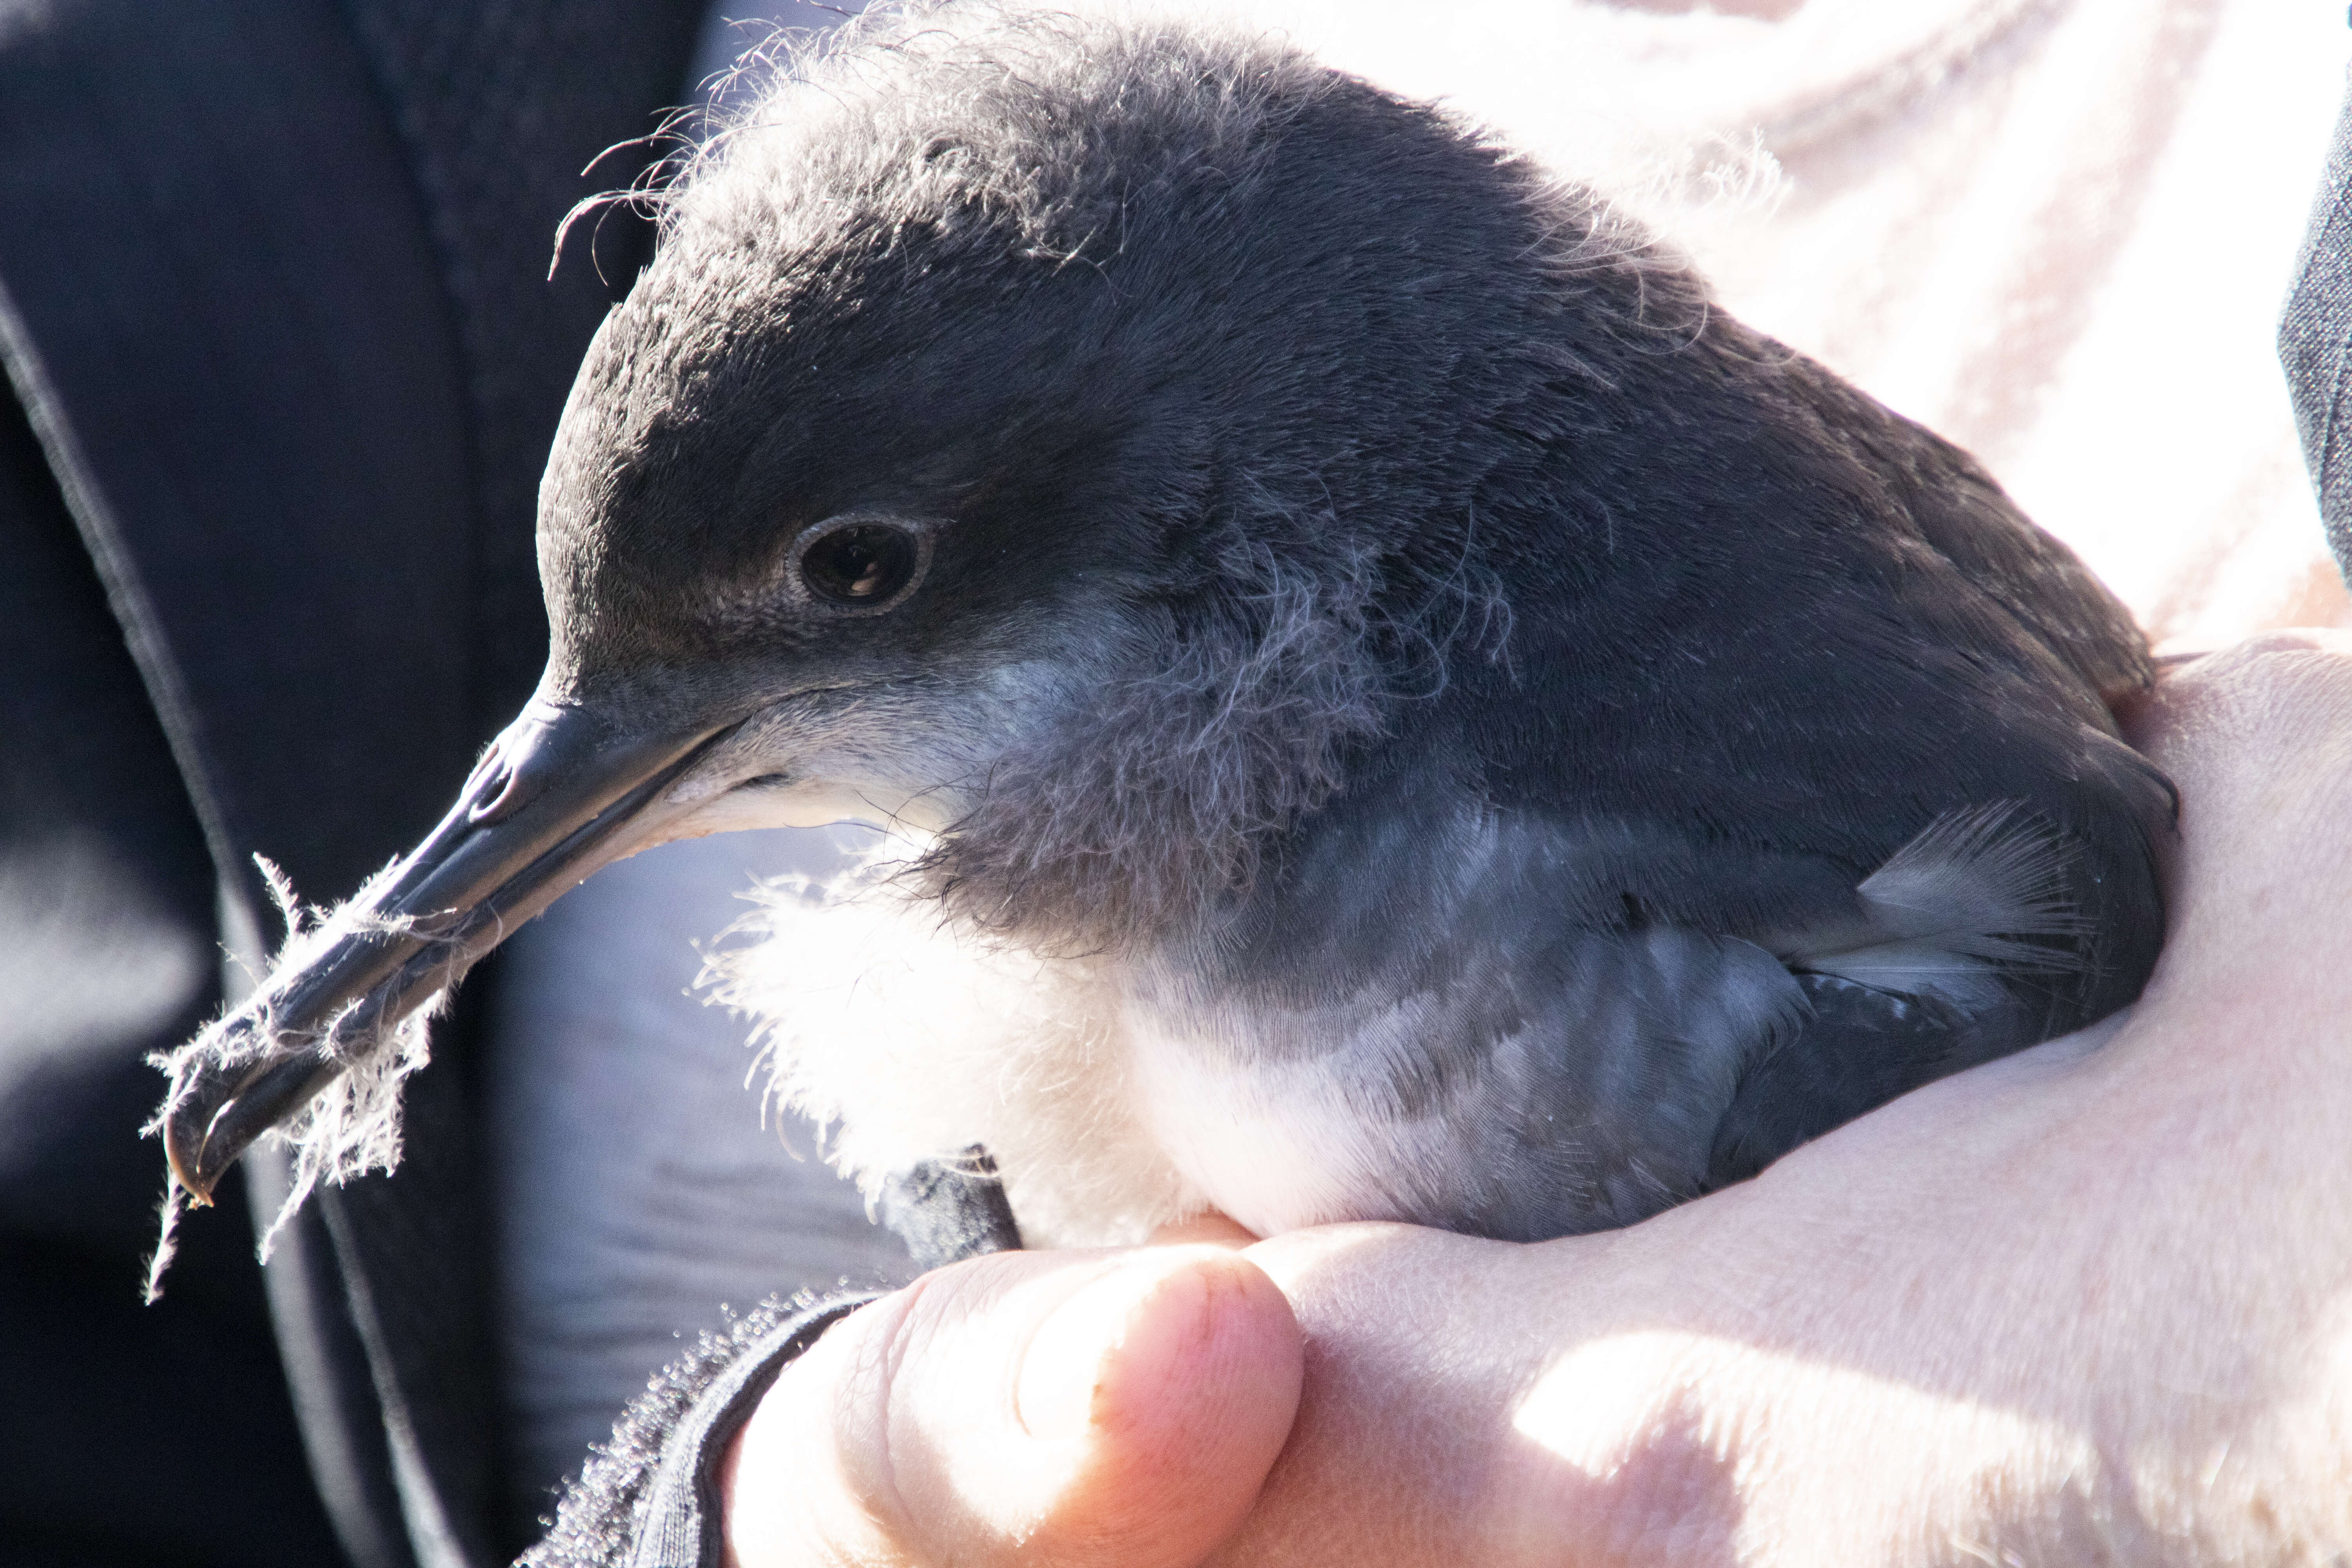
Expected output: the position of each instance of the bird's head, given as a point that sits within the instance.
(1055, 438)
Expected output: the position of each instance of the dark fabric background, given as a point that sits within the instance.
(273, 305)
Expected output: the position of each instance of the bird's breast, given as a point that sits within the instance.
(1284, 1139)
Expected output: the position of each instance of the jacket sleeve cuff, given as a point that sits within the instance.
(649, 1497)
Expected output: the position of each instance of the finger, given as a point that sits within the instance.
(1420, 1343)
(1208, 1228)
(2253, 736)
(1053, 1409)
(2192, 685)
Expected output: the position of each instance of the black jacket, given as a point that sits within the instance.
(273, 300)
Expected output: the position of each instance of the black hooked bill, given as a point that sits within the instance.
(564, 790)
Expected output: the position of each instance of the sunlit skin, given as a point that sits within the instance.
(2092, 1302)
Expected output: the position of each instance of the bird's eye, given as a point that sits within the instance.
(862, 566)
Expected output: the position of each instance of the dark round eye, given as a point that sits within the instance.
(864, 564)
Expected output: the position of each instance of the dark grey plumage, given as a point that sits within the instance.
(1353, 591)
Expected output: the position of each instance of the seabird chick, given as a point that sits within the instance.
(1458, 729)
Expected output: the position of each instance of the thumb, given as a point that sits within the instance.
(1050, 1408)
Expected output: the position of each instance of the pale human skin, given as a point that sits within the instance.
(2089, 1304)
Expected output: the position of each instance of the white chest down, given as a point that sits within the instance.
(1112, 1104)
(1267, 1141)
(1511, 1078)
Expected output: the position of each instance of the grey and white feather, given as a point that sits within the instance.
(1390, 703)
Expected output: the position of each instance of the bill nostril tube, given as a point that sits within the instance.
(516, 769)
(500, 801)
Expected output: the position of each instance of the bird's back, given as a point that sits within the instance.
(1608, 918)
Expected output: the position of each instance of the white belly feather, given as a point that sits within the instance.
(910, 1041)
(1106, 1115)
(1118, 1097)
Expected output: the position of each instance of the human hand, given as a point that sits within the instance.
(1039, 1407)
(2092, 1302)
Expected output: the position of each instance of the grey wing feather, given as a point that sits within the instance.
(1978, 892)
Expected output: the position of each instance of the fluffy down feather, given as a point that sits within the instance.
(907, 1038)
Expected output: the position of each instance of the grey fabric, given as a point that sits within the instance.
(512, 111)
(220, 312)
(947, 1213)
(641, 1183)
(107, 941)
(735, 28)
(275, 304)
(204, 229)
(682, 1527)
(648, 1499)
(2315, 342)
